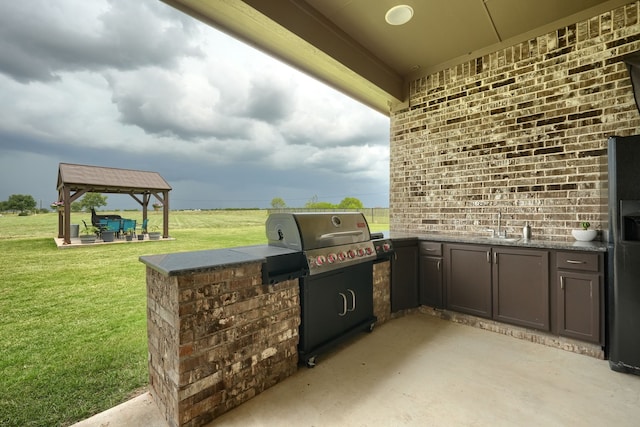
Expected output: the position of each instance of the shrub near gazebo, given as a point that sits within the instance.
(89, 234)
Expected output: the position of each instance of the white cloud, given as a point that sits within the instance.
(141, 85)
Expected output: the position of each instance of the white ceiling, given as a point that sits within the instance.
(348, 44)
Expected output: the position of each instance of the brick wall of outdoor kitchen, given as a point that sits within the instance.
(382, 291)
(522, 130)
(217, 339)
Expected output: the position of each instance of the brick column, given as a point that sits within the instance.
(382, 291)
(217, 338)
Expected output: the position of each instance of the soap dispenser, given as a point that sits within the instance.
(526, 231)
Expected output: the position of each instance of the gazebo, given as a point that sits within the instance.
(76, 180)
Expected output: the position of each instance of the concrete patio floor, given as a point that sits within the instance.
(419, 370)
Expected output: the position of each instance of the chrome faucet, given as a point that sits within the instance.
(500, 232)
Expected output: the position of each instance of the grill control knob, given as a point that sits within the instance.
(331, 258)
(351, 253)
(368, 250)
(360, 252)
(386, 247)
(320, 259)
(342, 256)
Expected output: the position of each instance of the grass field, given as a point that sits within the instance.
(73, 321)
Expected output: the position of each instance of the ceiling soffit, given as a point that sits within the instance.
(335, 59)
(348, 45)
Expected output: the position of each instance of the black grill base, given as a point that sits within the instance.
(310, 359)
(334, 306)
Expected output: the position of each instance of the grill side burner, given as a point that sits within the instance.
(383, 247)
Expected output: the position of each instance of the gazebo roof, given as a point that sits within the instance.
(100, 179)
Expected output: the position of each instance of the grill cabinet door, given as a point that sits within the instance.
(333, 303)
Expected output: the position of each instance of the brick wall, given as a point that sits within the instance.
(163, 342)
(522, 130)
(382, 291)
(218, 338)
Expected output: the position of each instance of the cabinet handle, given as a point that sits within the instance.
(489, 257)
(353, 298)
(344, 304)
(572, 261)
(561, 282)
(395, 256)
(438, 265)
(495, 257)
(429, 249)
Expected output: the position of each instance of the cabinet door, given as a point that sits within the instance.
(431, 281)
(579, 305)
(468, 281)
(358, 291)
(322, 308)
(521, 287)
(334, 302)
(404, 277)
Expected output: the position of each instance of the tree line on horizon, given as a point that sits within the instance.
(24, 204)
(314, 203)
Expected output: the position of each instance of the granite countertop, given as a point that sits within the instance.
(594, 246)
(181, 262)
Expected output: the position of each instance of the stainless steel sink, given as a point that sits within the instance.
(501, 239)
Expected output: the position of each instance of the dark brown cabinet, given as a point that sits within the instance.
(404, 275)
(579, 290)
(561, 292)
(501, 283)
(468, 279)
(431, 272)
(521, 287)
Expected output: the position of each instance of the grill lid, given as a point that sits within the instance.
(329, 241)
(306, 231)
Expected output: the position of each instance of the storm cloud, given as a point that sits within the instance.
(140, 85)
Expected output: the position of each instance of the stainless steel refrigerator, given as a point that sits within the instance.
(623, 296)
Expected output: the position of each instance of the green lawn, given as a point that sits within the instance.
(73, 321)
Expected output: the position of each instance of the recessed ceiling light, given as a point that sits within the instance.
(399, 15)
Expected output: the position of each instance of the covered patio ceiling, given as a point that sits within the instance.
(348, 45)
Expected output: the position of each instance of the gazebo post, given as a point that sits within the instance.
(145, 205)
(66, 214)
(165, 215)
(60, 225)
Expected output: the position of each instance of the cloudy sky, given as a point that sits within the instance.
(139, 85)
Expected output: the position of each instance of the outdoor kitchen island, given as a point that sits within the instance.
(223, 325)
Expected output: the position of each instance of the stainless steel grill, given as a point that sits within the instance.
(329, 240)
(336, 297)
